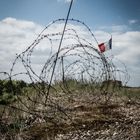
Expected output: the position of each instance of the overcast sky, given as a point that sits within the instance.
(22, 20)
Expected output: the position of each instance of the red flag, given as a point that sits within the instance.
(105, 46)
(102, 47)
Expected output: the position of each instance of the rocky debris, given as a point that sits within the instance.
(127, 130)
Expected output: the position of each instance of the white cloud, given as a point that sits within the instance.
(66, 1)
(128, 43)
(127, 49)
(115, 28)
(17, 35)
(20, 24)
(132, 21)
(119, 28)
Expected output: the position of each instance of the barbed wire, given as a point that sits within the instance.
(79, 64)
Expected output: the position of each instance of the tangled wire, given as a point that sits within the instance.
(78, 63)
(77, 58)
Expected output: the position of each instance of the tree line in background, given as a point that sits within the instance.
(9, 89)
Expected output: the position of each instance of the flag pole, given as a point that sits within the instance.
(55, 61)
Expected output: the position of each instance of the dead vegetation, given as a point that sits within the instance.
(80, 116)
(76, 96)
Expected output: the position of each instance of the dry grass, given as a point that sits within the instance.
(78, 115)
